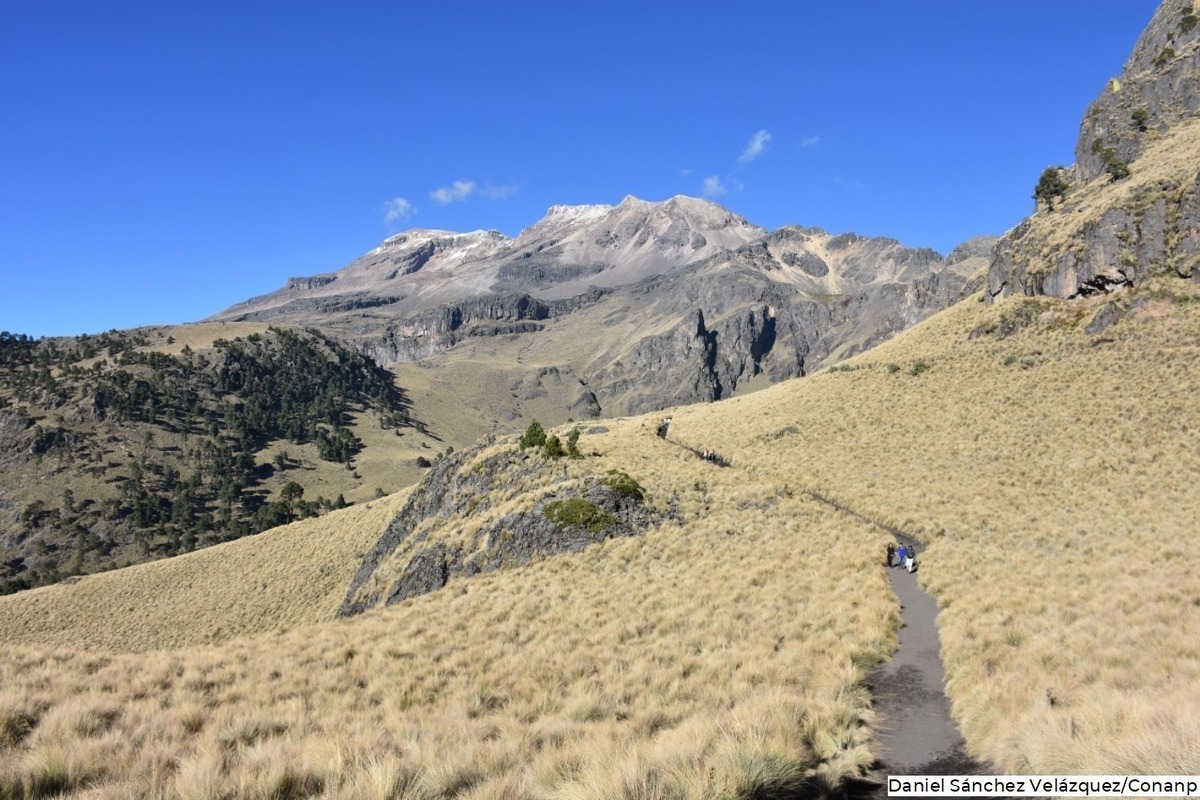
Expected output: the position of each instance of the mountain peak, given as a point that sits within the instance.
(567, 212)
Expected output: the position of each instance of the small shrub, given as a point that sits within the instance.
(918, 367)
(1188, 20)
(573, 444)
(578, 513)
(893, 368)
(535, 436)
(1114, 166)
(423, 462)
(623, 484)
(1164, 57)
(553, 447)
(1141, 118)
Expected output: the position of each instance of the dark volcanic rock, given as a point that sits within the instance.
(450, 493)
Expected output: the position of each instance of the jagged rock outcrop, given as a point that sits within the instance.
(309, 283)
(438, 329)
(1158, 88)
(780, 307)
(1133, 206)
(513, 519)
(16, 439)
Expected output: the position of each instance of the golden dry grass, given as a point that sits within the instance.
(702, 660)
(1054, 474)
(281, 578)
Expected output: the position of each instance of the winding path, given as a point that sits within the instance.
(916, 733)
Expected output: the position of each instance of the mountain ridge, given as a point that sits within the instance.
(683, 283)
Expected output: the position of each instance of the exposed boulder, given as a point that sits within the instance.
(487, 509)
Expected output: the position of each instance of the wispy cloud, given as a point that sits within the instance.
(463, 190)
(713, 187)
(757, 144)
(398, 210)
(493, 192)
(455, 192)
(686, 172)
(810, 141)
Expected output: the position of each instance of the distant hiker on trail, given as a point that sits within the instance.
(891, 553)
(903, 553)
(663, 426)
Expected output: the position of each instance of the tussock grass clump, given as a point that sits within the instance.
(624, 485)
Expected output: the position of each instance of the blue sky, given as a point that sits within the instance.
(160, 161)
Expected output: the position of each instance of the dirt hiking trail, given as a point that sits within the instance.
(916, 735)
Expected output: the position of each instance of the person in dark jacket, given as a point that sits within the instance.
(891, 553)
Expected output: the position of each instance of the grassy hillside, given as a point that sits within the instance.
(129, 446)
(292, 575)
(1053, 472)
(711, 657)
(1043, 449)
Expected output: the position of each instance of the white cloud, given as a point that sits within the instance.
(494, 192)
(686, 172)
(459, 190)
(713, 186)
(398, 210)
(756, 146)
(810, 141)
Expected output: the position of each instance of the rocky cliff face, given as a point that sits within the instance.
(1133, 206)
(1158, 88)
(778, 308)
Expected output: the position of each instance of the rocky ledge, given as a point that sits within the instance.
(494, 507)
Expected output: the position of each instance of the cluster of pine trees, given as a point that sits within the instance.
(224, 405)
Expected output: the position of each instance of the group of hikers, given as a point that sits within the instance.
(711, 456)
(905, 556)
